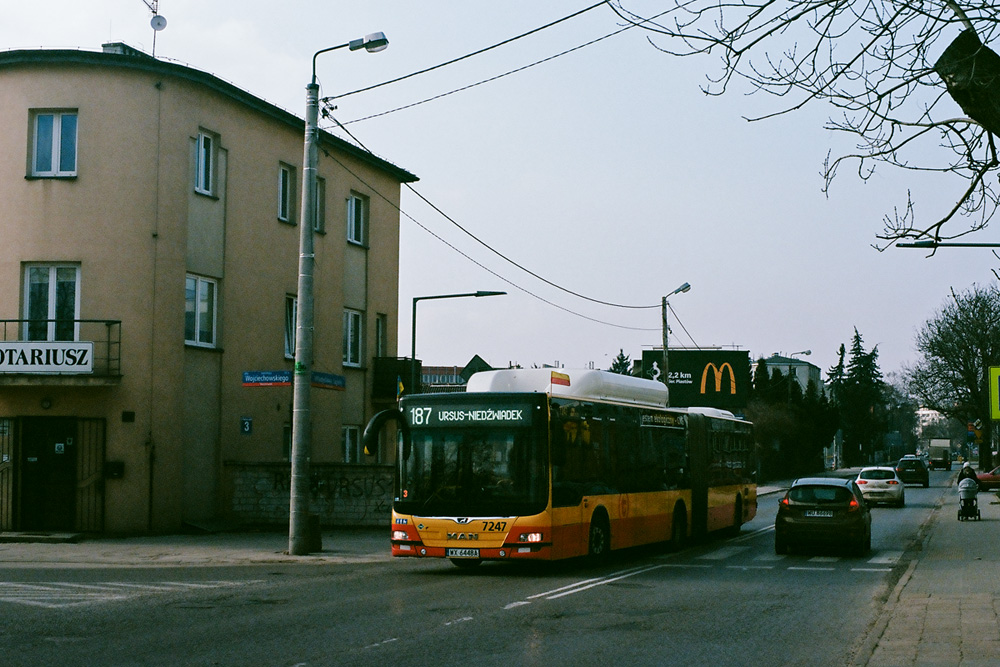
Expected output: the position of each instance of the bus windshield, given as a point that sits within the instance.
(477, 471)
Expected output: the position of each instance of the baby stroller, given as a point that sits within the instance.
(968, 508)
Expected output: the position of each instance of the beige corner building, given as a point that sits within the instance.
(148, 273)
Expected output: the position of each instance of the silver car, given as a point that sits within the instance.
(881, 484)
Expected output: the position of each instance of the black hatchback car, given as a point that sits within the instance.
(823, 511)
(912, 470)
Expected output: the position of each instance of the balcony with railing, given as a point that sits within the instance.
(60, 353)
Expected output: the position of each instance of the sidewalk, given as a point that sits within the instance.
(944, 609)
(361, 545)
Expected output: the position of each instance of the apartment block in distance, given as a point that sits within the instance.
(148, 277)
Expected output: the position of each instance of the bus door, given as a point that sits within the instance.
(570, 516)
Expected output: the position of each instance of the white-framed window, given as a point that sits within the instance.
(381, 335)
(204, 173)
(53, 145)
(351, 443)
(200, 307)
(51, 301)
(286, 193)
(291, 313)
(319, 224)
(353, 337)
(357, 219)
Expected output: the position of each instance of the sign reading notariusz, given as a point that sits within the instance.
(46, 357)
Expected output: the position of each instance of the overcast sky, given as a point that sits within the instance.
(605, 171)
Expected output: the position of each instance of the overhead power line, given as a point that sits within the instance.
(469, 55)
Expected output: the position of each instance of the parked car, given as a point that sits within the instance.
(881, 484)
(912, 470)
(989, 480)
(823, 511)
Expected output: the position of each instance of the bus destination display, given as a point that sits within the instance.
(469, 415)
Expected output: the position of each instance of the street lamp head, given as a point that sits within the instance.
(372, 43)
(486, 293)
(686, 287)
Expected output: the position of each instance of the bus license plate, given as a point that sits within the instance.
(462, 553)
(824, 514)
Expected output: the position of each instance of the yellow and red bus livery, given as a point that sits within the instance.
(543, 464)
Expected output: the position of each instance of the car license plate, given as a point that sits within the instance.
(823, 514)
(462, 553)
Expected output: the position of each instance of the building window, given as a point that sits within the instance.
(357, 219)
(319, 224)
(351, 442)
(204, 178)
(200, 304)
(381, 335)
(54, 144)
(291, 313)
(352, 337)
(286, 193)
(51, 302)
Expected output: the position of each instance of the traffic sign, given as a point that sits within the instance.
(995, 392)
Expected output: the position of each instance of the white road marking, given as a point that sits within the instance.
(63, 594)
(724, 553)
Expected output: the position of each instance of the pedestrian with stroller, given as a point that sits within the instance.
(967, 472)
(968, 489)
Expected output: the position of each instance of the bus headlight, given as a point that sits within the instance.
(400, 535)
(530, 537)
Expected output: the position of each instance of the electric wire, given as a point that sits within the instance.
(469, 55)
(473, 260)
(452, 220)
(489, 80)
(494, 250)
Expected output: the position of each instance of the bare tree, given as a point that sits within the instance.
(870, 60)
(957, 348)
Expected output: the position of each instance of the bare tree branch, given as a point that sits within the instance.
(870, 60)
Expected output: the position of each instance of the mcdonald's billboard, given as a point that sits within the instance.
(703, 378)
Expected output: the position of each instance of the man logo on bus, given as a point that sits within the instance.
(718, 371)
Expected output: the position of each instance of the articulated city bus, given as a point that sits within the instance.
(546, 464)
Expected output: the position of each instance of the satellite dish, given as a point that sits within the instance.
(158, 22)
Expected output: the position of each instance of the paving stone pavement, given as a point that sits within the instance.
(945, 609)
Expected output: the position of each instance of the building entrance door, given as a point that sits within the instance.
(48, 479)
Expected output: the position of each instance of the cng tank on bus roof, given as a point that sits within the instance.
(571, 383)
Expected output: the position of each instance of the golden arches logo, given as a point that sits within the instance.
(718, 371)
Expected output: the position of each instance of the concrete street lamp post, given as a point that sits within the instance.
(300, 538)
(666, 329)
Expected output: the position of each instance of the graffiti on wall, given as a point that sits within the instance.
(339, 494)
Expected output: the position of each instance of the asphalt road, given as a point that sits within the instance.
(724, 602)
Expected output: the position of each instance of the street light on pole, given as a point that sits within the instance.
(300, 539)
(413, 330)
(791, 370)
(666, 361)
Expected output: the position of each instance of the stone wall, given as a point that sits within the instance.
(341, 494)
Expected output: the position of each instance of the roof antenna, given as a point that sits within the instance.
(158, 23)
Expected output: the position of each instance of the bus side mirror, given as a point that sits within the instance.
(370, 437)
